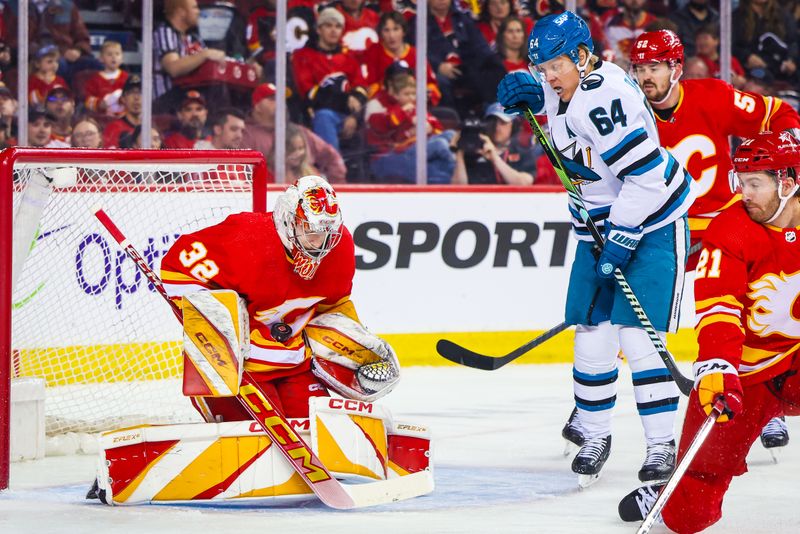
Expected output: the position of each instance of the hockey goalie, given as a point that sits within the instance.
(269, 294)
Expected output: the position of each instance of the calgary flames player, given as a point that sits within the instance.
(269, 292)
(695, 120)
(275, 262)
(747, 284)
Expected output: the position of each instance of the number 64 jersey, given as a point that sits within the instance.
(607, 135)
(747, 285)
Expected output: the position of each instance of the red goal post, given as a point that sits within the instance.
(72, 310)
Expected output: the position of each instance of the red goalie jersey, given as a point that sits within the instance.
(746, 289)
(244, 253)
(708, 112)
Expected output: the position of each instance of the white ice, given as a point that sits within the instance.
(498, 465)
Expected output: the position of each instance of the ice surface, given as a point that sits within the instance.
(499, 469)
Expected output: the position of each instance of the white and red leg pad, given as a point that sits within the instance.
(236, 462)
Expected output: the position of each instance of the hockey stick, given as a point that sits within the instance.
(299, 455)
(684, 384)
(681, 468)
(458, 354)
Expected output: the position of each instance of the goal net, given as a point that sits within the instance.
(83, 317)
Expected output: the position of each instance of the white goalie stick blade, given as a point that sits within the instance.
(391, 490)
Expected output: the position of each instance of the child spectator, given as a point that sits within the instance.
(133, 139)
(104, 87)
(392, 131)
(86, 133)
(392, 48)
(493, 13)
(43, 75)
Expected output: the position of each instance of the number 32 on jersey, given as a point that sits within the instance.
(199, 266)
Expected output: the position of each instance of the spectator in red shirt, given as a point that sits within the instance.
(512, 44)
(493, 13)
(359, 24)
(392, 49)
(192, 116)
(131, 100)
(43, 75)
(104, 87)
(329, 80)
(623, 25)
(61, 105)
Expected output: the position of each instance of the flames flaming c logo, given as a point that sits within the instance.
(319, 200)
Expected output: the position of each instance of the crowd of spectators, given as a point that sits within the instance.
(351, 93)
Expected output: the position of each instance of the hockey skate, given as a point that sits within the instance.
(590, 460)
(659, 462)
(572, 433)
(775, 435)
(637, 504)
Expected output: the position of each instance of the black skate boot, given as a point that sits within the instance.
(659, 462)
(636, 505)
(572, 432)
(775, 435)
(590, 459)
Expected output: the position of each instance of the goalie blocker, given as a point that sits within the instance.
(235, 462)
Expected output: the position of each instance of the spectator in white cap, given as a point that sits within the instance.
(329, 80)
(491, 153)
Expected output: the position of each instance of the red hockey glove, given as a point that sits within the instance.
(718, 379)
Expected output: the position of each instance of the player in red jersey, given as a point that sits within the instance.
(695, 120)
(290, 266)
(748, 279)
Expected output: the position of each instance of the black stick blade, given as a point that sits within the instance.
(458, 354)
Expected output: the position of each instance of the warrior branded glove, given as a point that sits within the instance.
(620, 243)
(518, 90)
(718, 379)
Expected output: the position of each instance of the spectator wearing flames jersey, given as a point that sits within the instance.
(329, 80)
(623, 25)
(360, 22)
(192, 117)
(177, 51)
(393, 50)
(747, 332)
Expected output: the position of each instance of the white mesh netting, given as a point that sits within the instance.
(83, 317)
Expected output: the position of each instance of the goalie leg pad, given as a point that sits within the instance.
(216, 340)
(225, 462)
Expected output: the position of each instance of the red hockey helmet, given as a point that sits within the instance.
(653, 47)
(769, 151)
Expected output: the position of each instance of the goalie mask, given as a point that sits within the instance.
(309, 223)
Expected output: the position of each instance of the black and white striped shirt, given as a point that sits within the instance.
(167, 39)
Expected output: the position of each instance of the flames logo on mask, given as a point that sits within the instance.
(321, 201)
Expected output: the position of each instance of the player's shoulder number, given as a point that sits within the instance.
(708, 264)
(194, 259)
(743, 101)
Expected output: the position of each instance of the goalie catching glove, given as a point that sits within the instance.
(718, 379)
(351, 360)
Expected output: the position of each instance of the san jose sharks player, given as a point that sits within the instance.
(638, 195)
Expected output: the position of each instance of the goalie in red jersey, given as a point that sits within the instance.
(747, 283)
(294, 269)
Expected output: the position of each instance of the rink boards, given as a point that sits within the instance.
(485, 267)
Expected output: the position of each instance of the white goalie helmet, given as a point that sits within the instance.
(309, 222)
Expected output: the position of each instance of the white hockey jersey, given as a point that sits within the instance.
(607, 135)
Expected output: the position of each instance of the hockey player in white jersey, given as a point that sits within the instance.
(638, 195)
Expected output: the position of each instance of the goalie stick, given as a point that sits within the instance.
(684, 384)
(682, 467)
(458, 354)
(299, 455)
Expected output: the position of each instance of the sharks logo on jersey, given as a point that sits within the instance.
(607, 136)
